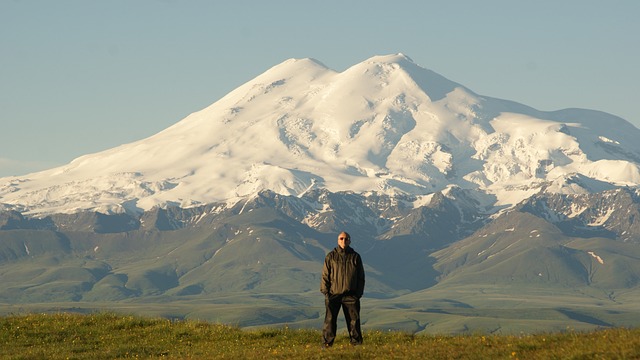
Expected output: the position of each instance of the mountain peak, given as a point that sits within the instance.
(398, 58)
(301, 63)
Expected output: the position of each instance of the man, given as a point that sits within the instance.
(342, 286)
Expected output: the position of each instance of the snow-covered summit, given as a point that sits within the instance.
(385, 125)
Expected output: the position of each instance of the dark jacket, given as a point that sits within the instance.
(343, 273)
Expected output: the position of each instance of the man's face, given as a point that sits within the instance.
(343, 240)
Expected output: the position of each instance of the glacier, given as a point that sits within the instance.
(385, 125)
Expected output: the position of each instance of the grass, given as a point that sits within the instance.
(111, 336)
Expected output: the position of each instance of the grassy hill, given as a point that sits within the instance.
(108, 336)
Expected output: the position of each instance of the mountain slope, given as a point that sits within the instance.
(522, 249)
(259, 262)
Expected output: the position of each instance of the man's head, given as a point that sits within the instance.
(344, 239)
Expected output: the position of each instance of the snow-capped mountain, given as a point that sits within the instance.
(385, 125)
(471, 213)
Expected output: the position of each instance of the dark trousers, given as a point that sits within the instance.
(351, 311)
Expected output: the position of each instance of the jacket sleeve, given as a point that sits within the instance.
(325, 284)
(360, 274)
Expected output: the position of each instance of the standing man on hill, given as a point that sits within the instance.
(342, 286)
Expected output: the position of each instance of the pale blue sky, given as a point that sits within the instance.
(82, 76)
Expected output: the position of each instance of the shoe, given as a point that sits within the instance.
(326, 345)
